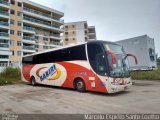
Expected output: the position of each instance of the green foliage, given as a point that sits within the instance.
(146, 75)
(158, 62)
(10, 76)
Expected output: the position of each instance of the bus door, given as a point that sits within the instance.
(97, 60)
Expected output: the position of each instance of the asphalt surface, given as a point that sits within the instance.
(143, 97)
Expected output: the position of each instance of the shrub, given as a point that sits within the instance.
(146, 75)
(10, 75)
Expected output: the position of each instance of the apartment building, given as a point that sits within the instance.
(27, 27)
(78, 32)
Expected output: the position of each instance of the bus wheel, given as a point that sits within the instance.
(33, 81)
(80, 85)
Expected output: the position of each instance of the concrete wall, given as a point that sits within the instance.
(139, 46)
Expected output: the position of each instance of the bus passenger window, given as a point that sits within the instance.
(97, 58)
(101, 64)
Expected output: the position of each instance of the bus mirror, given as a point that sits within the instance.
(135, 58)
(113, 55)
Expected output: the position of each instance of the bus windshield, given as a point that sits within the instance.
(119, 67)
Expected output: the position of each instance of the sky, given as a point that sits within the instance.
(114, 19)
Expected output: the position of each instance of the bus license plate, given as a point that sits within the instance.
(126, 88)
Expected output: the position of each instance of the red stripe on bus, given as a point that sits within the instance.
(73, 68)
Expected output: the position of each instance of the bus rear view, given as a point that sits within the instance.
(93, 66)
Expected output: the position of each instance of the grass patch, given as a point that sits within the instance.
(146, 75)
(10, 76)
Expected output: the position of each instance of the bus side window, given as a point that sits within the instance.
(101, 64)
(96, 59)
(64, 55)
(36, 59)
(54, 56)
(43, 58)
(28, 60)
(77, 53)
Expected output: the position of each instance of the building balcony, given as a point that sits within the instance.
(56, 43)
(4, 46)
(4, 25)
(42, 24)
(3, 59)
(4, 14)
(57, 37)
(4, 3)
(29, 49)
(27, 39)
(29, 30)
(42, 15)
(91, 39)
(5, 52)
(92, 34)
(4, 35)
(4, 64)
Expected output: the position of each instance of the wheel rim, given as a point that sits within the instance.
(79, 85)
(33, 82)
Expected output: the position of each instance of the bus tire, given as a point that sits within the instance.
(80, 85)
(33, 81)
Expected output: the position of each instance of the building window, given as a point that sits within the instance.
(19, 23)
(19, 13)
(18, 53)
(73, 38)
(86, 39)
(152, 54)
(18, 43)
(4, 57)
(19, 4)
(51, 47)
(12, 32)
(66, 39)
(73, 26)
(66, 33)
(12, 53)
(46, 34)
(85, 25)
(45, 47)
(85, 32)
(66, 27)
(36, 37)
(12, 12)
(19, 33)
(45, 39)
(12, 2)
(73, 32)
(36, 46)
(12, 22)
(12, 42)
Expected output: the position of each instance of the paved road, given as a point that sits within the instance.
(143, 97)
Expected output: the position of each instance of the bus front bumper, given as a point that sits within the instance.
(119, 88)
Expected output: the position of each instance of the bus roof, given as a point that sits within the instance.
(54, 49)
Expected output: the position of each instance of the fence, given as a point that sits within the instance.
(4, 65)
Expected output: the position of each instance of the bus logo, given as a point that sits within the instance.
(53, 73)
